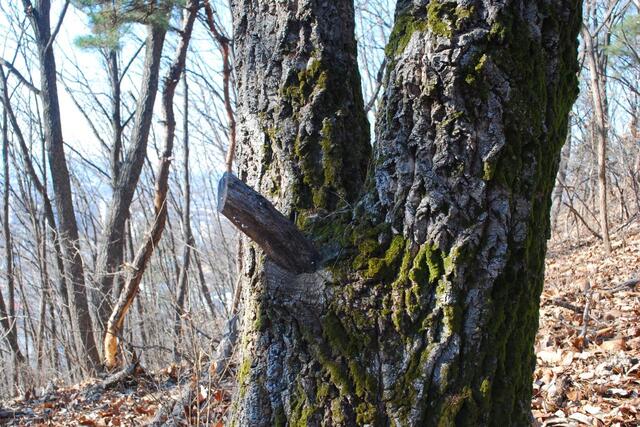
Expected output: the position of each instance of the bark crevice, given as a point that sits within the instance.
(435, 264)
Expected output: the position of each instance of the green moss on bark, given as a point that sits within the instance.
(438, 13)
(413, 293)
(535, 120)
(405, 25)
(385, 268)
(328, 99)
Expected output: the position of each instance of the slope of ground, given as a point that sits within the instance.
(588, 351)
(132, 400)
(588, 345)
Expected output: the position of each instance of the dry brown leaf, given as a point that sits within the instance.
(550, 357)
(619, 344)
(582, 418)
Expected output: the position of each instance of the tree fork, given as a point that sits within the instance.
(430, 307)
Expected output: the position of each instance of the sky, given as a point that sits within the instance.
(69, 55)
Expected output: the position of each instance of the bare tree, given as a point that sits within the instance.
(110, 256)
(7, 310)
(117, 316)
(39, 16)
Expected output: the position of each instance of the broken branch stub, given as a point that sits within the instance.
(256, 217)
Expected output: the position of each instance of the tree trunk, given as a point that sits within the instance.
(68, 227)
(183, 278)
(426, 309)
(7, 311)
(117, 315)
(112, 247)
(116, 117)
(41, 187)
(600, 121)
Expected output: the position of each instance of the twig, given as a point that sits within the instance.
(626, 224)
(223, 43)
(174, 411)
(567, 305)
(54, 34)
(8, 413)
(376, 91)
(628, 285)
(575, 212)
(585, 315)
(20, 77)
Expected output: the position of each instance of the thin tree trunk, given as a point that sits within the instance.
(116, 119)
(223, 44)
(7, 311)
(69, 237)
(559, 189)
(44, 291)
(600, 122)
(111, 249)
(41, 187)
(139, 305)
(132, 282)
(116, 142)
(206, 292)
(634, 133)
(183, 279)
(427, 308)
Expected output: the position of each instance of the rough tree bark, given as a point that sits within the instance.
(303, 141)
(426, 309)
(39, 15)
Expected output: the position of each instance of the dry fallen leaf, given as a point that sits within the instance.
(615, 345)
(593, 410)
(584, 419)
(550, 357)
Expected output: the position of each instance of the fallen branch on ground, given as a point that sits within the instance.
(111, 381)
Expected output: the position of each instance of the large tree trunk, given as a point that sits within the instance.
(68, 227)
(426, 309)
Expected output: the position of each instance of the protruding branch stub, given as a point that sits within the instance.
(256, 217)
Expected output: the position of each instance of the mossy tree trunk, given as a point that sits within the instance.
(426, 309)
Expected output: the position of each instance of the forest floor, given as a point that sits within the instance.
(588, 373)
(588, 351)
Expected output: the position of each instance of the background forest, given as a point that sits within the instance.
(142, 174)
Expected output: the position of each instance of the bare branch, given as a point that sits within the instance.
(58, 25)
(20, 77)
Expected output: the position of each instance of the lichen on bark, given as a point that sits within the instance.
(426, 308)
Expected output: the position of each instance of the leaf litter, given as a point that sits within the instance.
(587, 348)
